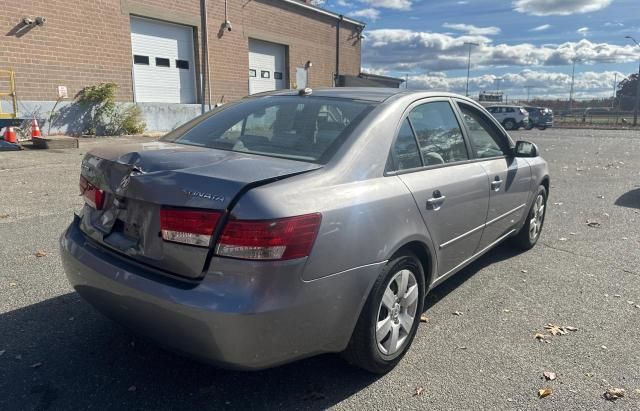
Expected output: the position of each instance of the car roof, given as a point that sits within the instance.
(376, 94)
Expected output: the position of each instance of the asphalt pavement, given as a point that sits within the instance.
(57, 353)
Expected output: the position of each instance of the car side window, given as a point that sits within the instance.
(485, 138)
(439, 134)
(404, 153)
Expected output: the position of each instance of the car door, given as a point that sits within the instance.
(510, 177)
(431, 158)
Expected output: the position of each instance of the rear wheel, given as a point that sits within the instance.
(509, 124)
(530, 232)
(542, 127)
(390, 318)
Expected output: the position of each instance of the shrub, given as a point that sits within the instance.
(103, 113)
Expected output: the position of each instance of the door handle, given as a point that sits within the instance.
(436, 201)
(496, 184)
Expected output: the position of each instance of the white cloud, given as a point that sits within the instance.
(583, 31)
(369, 14)
(390, 4)
(462, 2)
(559, 7)
(613, 24)
(318, 3)
(406, 50)
(541, 28)
(343, 3)
(473, 30)
(544, 83)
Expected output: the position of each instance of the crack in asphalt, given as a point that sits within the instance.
(626, 270)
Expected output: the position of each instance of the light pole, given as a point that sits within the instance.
(528, 91)
(637, 104)
(573, 76)
(470, 44)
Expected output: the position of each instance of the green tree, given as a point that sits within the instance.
(626, 92)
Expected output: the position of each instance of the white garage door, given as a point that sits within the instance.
(163, 63)
(267, 66)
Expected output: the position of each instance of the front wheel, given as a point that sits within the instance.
(390, 317)
(509, 124)
(530, 232)
(529, 125)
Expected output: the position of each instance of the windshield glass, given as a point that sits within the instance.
(300, 128)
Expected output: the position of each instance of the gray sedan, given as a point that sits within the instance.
(297, 223)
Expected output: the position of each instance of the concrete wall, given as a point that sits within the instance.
(71, 118)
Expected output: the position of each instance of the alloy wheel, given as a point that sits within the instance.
(535, 224)
(397, 312)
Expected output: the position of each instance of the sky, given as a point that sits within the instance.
(522, 42)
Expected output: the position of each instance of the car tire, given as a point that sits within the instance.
(542, 127)
(372, 344)
(509, 124)
(529, 234)
(529, 125)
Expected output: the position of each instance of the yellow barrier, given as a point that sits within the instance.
(10, 76)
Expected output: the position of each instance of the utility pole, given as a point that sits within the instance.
(406, 80)
(528, 91)
(637, 104)
(573, 76)
(470, 44)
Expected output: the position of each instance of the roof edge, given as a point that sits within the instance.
(326, 12)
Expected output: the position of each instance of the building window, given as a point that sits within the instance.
(182, 64)
(265, 74)
(252, 73)
(277, 75)
(162, 62)
(137, 59)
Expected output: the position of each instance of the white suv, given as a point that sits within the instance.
(511, 117)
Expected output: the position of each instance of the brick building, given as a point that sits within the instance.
(153, 49)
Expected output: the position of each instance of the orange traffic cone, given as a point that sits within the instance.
(35, 129)
(10, 135)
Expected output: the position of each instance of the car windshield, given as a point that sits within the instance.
(300, 128)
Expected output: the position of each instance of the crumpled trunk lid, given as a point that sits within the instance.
(140, 179)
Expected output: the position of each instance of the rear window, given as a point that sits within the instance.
(299, 128)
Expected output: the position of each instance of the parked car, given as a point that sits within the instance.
(511, 117)
(292, 224)
(540, 117)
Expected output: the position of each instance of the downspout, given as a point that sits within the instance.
(335, 82)
(204, 34)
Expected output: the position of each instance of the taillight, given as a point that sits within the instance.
(192, 227)
(92, 194)
(280, 239)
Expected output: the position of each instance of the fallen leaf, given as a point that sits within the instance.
(540, 337)
(630, 302)
(549, 375)
(132, 388)
(41, 253)
(601, 196)
(613, 394)
(594, 223)
(555, 329)
(570, 328)
(604, 347)
(637, 305)
(4, 215)
(524, 271)
(563, 239)
(506, 310)
(12, 284)
(36, 365)
(418, 391)
(458, 313)
(424, 319)
(617, 295)
(544, 392)
(558, 204)
(572, 233)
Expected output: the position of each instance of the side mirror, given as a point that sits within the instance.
(525, 149)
